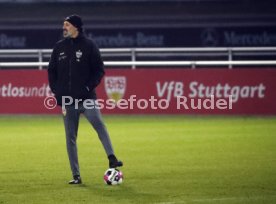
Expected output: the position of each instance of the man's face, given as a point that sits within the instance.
(69, 30)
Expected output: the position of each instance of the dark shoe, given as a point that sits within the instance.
(114, 162)
(76, 180)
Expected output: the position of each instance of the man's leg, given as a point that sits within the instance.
(71, 123)
(94, 117)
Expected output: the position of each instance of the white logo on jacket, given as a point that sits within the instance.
(62, 56)
(78, 55)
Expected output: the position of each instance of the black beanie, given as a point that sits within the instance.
(76, 21)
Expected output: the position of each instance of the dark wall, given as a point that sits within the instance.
(143, 24)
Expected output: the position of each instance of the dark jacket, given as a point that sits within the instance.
(75, 68)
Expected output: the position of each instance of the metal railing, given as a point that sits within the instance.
(136, 57)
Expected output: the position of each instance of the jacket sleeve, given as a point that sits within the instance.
(96, 68)
(52, 71)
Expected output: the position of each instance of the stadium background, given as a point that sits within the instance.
(177, 156)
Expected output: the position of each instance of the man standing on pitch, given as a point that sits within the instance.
(75, 70)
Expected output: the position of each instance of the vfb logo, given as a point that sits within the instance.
(115, 87)
(170, 89)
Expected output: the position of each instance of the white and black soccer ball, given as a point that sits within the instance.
(113, 176)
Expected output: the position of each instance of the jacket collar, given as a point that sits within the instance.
(77, 39)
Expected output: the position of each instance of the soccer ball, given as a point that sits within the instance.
(113, 176)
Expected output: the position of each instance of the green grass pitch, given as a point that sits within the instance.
(168, 160)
